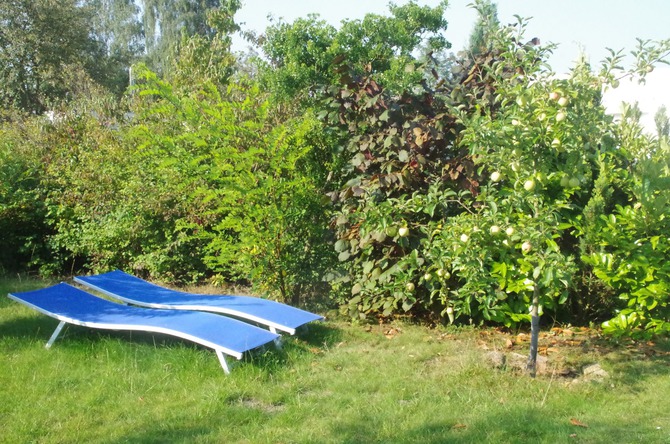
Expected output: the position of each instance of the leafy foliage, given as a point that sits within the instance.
(118, 29)
(301, 53)
(22, 211)
(40, 43)
(166, 21)
(480, 202)
(476, 189)
(633, 241)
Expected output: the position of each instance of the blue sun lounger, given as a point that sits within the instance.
(74, 306)
(136, 291)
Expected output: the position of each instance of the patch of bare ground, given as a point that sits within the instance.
(576, 354)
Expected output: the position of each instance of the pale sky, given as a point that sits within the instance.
(588, 26)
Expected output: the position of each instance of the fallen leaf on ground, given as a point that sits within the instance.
(459, 426)
(483, 344)
(391, 333)
(522, 337)
(578, 423)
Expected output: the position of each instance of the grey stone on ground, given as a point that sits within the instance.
(495, 358)
(594, 372)
(518, 362)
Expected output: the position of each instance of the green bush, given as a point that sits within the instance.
(22, 211)
(633, 242)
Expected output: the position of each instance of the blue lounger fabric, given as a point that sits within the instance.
(133, 290)
(72, 305)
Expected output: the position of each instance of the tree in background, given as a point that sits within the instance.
(203, 59)
(301, 53)
(487, 23)
(46, 45)
(42, 42)
(165, 21)
(117, 26)
(662, 123)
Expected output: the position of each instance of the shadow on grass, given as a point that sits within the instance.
(519, 425)
(632, 372)
(319, 334)
(312, 339)
(216, 426)
(150, 435)
(41, 328)
(28, 327)
(630, 362)
(268, 358)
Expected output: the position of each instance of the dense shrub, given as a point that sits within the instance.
(23, 227)
(481, 198)
(477, 189)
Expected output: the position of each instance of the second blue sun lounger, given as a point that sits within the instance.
(136, 291)
(74, 306)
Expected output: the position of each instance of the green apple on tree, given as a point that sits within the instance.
(443, 273)
(529, 185)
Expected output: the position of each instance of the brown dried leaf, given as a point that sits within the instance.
(578, 423)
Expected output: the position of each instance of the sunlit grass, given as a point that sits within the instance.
(333, 383)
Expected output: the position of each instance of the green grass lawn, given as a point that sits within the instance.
(333, 383)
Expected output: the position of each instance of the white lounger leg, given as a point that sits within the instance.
(222, 360)
(55, 334)
(277, 341)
